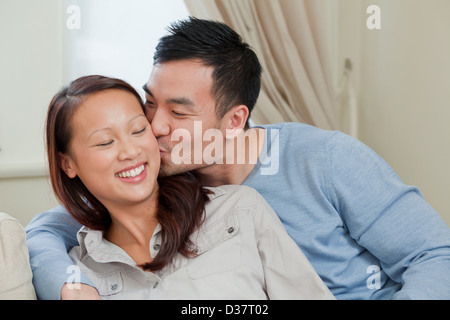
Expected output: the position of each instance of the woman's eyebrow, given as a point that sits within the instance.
(136, 117)
(110, 129)
(97, 131)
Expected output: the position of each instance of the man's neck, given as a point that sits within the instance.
(236, 171)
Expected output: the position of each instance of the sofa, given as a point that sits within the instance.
(15, 271)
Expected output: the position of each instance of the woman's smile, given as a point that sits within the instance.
(133, 174)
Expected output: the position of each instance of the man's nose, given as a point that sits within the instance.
(160, 123)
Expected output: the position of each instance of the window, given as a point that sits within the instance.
(116, 37)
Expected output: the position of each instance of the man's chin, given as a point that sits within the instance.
(173, 169)
(167, 170)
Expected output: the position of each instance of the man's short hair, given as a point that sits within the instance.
(237, 71)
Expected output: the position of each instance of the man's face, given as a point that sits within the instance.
(178, 96)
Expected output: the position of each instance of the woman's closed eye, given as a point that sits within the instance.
(105, 144)
(139, 132)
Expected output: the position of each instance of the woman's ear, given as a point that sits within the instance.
(67, 165)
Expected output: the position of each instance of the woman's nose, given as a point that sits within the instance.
(128, 150)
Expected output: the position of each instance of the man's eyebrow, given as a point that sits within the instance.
(182, 101)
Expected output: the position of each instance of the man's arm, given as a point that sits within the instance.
(391, 220)
(50, 235)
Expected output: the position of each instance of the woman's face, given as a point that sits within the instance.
(113, 150)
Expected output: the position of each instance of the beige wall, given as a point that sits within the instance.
(402, 75)
(31, 72)
(23, 198)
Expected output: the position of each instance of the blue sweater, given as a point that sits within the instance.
(368, 235)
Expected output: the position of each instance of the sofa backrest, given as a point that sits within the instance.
(15, 271)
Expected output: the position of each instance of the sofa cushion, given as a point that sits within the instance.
(15, 270)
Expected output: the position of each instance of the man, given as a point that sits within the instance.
(368, 235)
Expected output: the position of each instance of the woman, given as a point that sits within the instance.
(146, 237)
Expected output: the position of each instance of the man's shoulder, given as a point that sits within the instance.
(56, 215)
(292, 126)
(300, 132)
(299, 139)
(58, 209)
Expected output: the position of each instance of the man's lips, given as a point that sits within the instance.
(162, 152)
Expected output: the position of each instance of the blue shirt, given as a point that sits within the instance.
(368, 235)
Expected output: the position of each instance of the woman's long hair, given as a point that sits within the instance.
(181, 199)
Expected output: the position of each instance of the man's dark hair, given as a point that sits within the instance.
(237, 71)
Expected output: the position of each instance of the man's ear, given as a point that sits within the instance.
(237, 118)
(67, 165)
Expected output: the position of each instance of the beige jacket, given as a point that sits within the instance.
(244, 252)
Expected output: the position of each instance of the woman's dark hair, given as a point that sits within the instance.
(237, 71)
(181, 199)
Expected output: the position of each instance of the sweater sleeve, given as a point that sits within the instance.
(50, 235)
(391, 220)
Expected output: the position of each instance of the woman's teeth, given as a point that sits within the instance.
(131, 173)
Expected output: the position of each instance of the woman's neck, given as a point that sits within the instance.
(132, 228)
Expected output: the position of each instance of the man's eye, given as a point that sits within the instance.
(149, 104)
(178, 114)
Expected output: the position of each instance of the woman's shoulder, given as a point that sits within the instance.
(222, 221)
(229, 197)
(226, 202)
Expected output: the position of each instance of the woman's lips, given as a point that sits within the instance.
(133, 174)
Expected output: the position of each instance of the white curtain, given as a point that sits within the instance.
(290, 39)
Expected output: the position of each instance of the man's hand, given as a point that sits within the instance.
(79, 291)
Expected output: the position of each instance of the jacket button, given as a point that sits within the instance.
(230, 230)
